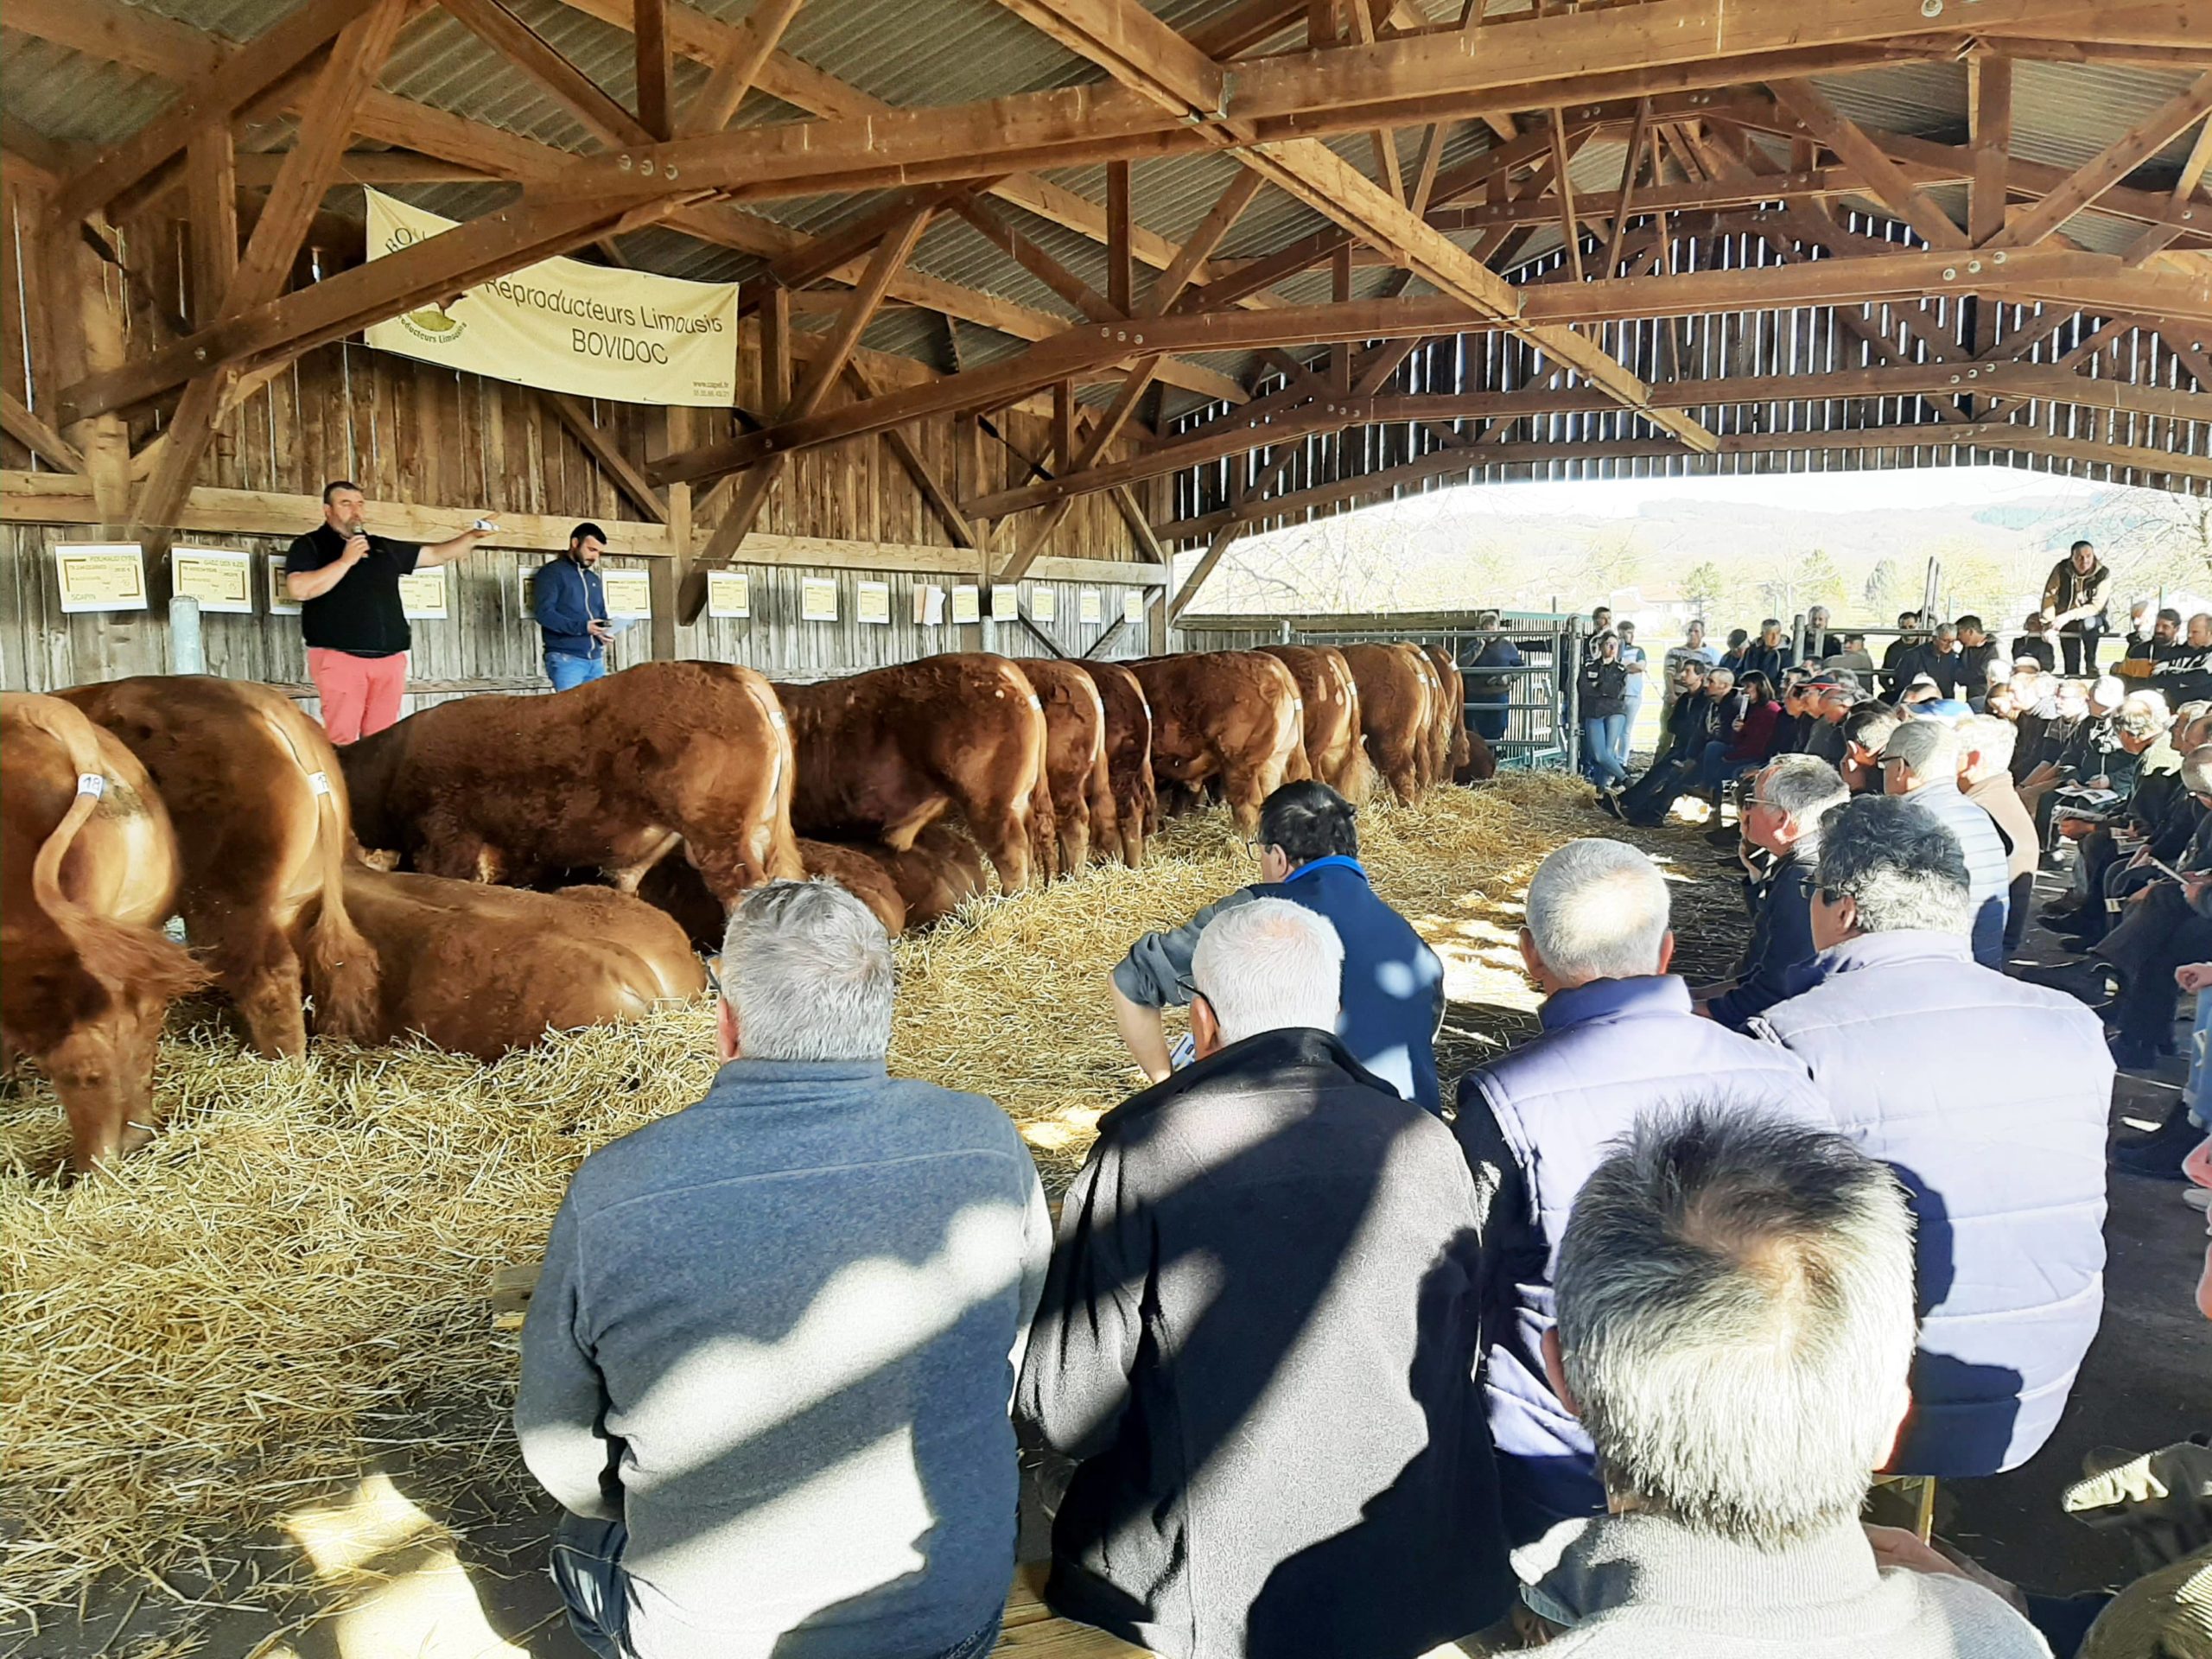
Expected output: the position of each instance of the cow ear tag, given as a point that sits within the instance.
(91, 783)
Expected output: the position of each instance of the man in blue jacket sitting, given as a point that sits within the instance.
(570, 604)
(1620, 1040)
(1308, 847)
(2005, 1161)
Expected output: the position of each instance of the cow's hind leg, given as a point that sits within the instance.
(1004, 830)
(262, 974)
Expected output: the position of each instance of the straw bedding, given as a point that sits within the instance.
(295, 1274)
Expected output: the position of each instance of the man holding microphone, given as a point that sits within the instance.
(347, 583)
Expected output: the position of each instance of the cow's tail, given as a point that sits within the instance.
(778, 848)
(1290, 729)
(1355, 780)
(116, 954)
(1044, 817)
(344, 973)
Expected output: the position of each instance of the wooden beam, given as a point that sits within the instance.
(41, 439)
(1199, 246)
(1570, 228)
(1989, 115)
(1624, 200)
(738, 65)
(1121, 271)
(621, 470)
(1224, 539)
(521, 45)
(656, 108)
(2114, 162)
(994, 228)
(211, 200)
(257, 68)
(2192, 172)
(1856, 150)
(756, 485)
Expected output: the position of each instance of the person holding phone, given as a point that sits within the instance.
(346, 584)
(570, 601)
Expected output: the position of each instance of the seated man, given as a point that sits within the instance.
(1735, 1320)
(1920, 761)
(766, 1366)
(1393, 992)
(1986, 745)
(1865, 729)
(1853, 659)
(2145, 770)
(1258, 1341)
(1705, 717)
(2161, 927)
(1782, 818)
(1824, 738)
(1989, 1097)
(1618, 1039)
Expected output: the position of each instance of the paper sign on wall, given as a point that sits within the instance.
(593, 330)
(101, 576)
(425, 596)
(1132, 607)
(872, 601)
(281, 602)
(1042, 607)
(729, 592)
(817, 599)
(929, 606)
(629, 594)
(219, 580)
(1004, 602)
(967, 604)
(1088, 609)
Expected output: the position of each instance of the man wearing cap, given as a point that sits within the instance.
(1920, 761)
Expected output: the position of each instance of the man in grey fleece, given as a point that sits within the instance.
(767, 1366)
(1735, 1322)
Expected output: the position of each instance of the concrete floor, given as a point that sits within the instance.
(2147, 1382)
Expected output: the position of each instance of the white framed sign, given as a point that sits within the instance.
(629, 594)
(817, 599)
(967, 604)
(1132, 606)
(221, 580)
(101, 576)
(872, 601)
(528, 585)
(929, 606)
(281, 602)
(426, 596)
(1089, 610)
(1043, 607)
(729, 592)
(1006, 601)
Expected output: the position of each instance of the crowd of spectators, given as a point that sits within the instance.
(1602, 1350)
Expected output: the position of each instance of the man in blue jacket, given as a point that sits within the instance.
(571, 603)
(1920, 762)
(1782, 816)
(2004, 1159)
(1619, 1039)
(1393, 983)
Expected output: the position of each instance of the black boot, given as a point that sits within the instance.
(2159, 1153)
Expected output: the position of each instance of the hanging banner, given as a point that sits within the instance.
(562, 325)
(729, 592)
(629, 594)
(101, 576)
(219, 580)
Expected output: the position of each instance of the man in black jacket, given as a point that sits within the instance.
(1782, 816)
(1258, 1342)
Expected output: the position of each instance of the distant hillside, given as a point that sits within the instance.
(1732, 561)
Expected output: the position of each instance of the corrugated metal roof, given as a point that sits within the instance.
(932, 52)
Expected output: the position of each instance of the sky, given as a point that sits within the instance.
(1905, 489)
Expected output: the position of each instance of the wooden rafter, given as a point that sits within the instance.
(1885, 179)
(2114, 162)
(504, 33)
(600, 444)
(738, 67)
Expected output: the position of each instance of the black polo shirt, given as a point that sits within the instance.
(361, 616)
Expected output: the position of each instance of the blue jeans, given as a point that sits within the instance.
(588, 1569)
(1627, 745)
(1716, 768)
(1602, 737)
(566, 671)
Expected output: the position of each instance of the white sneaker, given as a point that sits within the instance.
(2197, 1198)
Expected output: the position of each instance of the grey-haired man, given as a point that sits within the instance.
(767, 1365)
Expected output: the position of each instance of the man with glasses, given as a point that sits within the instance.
(1782, 817)
(1308, 852)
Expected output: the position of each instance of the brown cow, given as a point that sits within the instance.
(1482, 762)
(612, 776)
(1229, 715)
(883, 754)
(1128, 756)
(480, 969)
(1436, 750)
(1459, 746)
(1334, 747)
(1396, 715)
(88, 874)
(942, 871)
(1074, 760)
(254, 790)
(674, 886)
